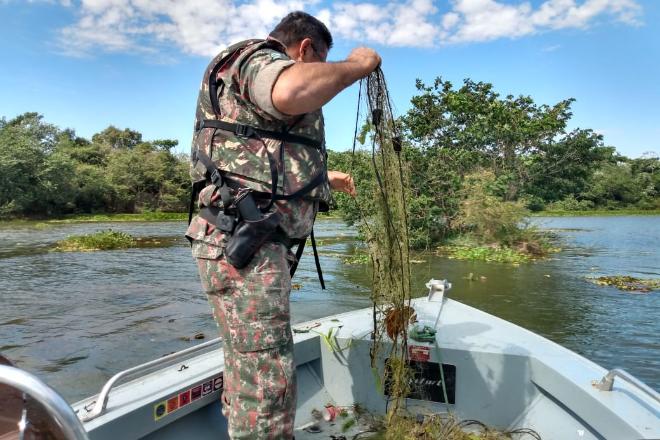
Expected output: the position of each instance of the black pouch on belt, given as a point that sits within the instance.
(248, 237)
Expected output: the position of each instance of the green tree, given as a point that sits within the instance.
(147, 177)
(34, 179)
(118, 139)
(614, 185)
(359, 166)
(647, 172)
(47, 171)
(564, 168)
(486, 215)
(473, 127)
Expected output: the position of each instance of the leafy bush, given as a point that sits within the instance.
(570, 203)
(487, 216)
(534, 203)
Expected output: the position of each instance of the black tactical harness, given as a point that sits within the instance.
(249, 131)
(247, 225)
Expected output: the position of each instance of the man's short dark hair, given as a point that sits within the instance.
(297, 26)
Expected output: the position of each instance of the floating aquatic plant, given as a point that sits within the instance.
(357, 258)
(628, 283)
(109, 240)
(103, 240)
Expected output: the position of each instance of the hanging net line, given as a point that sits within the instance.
(383, 223)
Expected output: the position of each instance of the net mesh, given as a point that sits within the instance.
(384, 226)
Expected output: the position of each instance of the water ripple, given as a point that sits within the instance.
(75, 319)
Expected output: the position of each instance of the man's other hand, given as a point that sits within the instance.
(342, 182)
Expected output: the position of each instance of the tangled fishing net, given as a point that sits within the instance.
(384, 225)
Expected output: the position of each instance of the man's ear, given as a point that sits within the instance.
(304, 47)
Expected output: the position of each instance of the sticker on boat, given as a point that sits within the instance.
(207, 388)
(196, 393)
(419, 353)
(217, 383)
(426, 382)
(172, 404)
(160, 410)
(184, 398)
(178, 401)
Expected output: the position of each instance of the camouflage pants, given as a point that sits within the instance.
(251, 308)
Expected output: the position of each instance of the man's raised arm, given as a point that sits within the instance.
(305, 87)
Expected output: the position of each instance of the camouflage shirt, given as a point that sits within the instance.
(246, 98)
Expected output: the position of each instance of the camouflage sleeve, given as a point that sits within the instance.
(258, 75)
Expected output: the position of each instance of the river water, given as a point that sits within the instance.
(76, 318)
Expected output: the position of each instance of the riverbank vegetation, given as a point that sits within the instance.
(47, 172)
(147, 216)
(479, 164)
(596, 213)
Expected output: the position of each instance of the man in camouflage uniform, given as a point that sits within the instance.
(280, 82)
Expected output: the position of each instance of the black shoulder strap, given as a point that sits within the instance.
(316, 260)
(232, 52)
(299, 252)
(215, 175)
(194, 192)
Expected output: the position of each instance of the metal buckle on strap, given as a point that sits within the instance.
(240, 195)
(216, 177)
(243, 130)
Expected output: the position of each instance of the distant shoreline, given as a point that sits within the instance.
(116, 217)
(596, 213)
(183, 216)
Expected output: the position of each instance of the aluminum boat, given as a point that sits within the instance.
(492, 371)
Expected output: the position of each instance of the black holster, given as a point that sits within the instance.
(248, 237)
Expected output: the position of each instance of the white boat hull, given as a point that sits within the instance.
(503, 376)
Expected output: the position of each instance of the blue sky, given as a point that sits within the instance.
(138, 63)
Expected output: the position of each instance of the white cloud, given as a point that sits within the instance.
(395, 24)
(483, 20)
(198, 27)
(202, 27)
(53, 2)
(418, 23)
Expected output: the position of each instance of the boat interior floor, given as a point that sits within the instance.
(338, 429)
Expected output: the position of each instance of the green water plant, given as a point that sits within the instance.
(628, 283)
(448, 427)
(330, 339)
(485, 253)
(357, 258)
(529, 245)
(103, 240)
